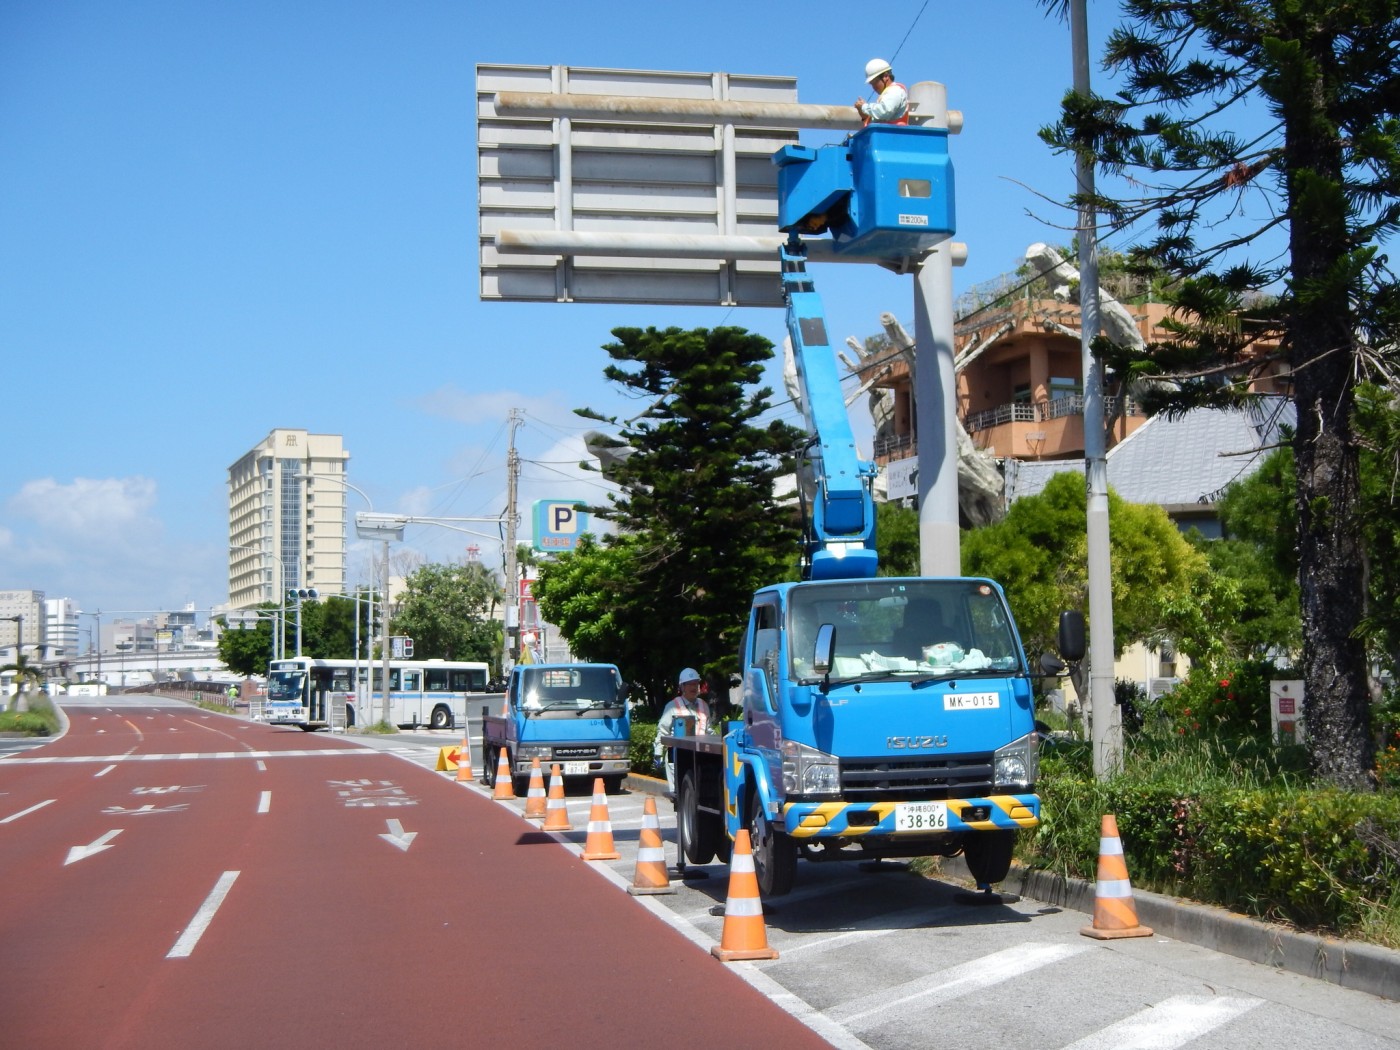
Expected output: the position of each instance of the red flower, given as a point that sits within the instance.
(1224, 683)
(1187, 712)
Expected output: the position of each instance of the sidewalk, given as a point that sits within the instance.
(1349, 964)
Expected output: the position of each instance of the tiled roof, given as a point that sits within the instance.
(1175, 461)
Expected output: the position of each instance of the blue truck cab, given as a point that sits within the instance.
(572, 714)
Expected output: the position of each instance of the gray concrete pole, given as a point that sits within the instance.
(1106, 728)
(384, 637)
(935, 383)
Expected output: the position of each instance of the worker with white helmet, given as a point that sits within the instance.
(687, 705)
(892, 107)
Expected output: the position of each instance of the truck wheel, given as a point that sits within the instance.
(490, 757)
(441, 719)
(988, 855)
(774, 854)
(695, 835)
(613, 785)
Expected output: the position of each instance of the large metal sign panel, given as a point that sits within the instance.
(609, 176)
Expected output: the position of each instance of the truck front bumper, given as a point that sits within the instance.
(816, 820)
(591, 767)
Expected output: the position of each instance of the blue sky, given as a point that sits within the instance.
(206, 204)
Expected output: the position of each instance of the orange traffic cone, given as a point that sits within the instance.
(556, 813)
(743, 936)
(534, 798)
(1115, 914)
(650, 875)
(599, 844)
(464, 759)
(505, 784)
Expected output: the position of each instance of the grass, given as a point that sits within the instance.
(40, 720)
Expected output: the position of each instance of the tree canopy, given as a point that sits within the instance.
(1296, 205)
(446, 610)
(699, 527)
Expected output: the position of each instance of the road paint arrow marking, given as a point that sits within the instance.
(265, 802)
(202, 918)
(26, 812)
(396, 835)
(95, 846)
(122, 811)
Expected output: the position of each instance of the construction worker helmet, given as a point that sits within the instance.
(876, 67)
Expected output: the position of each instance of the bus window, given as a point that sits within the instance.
(412, 681)
(435, 680)
(473, 681)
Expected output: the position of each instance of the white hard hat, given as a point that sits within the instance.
(874, 68)
(690, 674)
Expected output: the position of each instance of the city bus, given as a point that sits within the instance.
(318, 694)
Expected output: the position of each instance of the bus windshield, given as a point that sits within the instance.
(914, 627)
(286, 685)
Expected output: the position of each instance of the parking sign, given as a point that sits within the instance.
(558, 524)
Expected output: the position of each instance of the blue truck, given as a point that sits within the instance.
(880, 717)
(572, 714)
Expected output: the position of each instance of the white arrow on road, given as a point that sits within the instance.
(95, 846)
(396, 835)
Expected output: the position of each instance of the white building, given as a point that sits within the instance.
(286, 518)
(60, 628)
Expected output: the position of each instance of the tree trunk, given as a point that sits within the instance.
(1329, 531)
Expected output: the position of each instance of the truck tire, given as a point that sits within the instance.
(441, 718)
(490, 757)
(774, 854)
(695, 833)
(988, 855)
(613, 785)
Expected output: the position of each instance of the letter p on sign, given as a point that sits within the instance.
(558, 524)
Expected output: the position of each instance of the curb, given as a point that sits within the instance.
(1349, 964)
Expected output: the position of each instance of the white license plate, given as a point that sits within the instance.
(575, 769)
(971, 701)
(921, 816)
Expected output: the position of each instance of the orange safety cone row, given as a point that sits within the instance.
(556, 813)
(743, 936)
(505, 783)
(534, 797)
(650, 875)
(464, 760)
(1115, 914)
(599, 845)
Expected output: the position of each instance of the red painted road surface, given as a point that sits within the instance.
(481, 933)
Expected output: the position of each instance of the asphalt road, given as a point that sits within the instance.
(181, 879)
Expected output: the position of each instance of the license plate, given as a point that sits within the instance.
(575, 769)
(971, 701)
(921, 816)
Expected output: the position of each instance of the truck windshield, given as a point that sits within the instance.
(568, 688)
(904, 627)
(285, 685)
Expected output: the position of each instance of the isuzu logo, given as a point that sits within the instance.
(914, 743)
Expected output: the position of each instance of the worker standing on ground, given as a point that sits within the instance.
(687, 705)
(892, 107)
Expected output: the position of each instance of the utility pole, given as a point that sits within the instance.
(384, 635)
(512, 603)
(1106, 727)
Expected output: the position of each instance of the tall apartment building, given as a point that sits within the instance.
(61, 627)
(286, 517)
(22, 611)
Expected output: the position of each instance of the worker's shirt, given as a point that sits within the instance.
(892, 107)
(678, 708)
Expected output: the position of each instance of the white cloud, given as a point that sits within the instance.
(87, 507)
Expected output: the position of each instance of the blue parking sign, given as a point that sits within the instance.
(558, 524)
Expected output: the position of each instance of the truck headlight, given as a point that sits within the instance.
(1017, 764)
(529, 751)
(613, 751)
(807, 771)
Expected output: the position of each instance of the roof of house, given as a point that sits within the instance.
(1168, 462)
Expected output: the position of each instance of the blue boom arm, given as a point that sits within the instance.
(840, 539)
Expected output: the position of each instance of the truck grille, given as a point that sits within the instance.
(916, 778)
(576, 752)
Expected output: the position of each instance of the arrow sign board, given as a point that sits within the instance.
(95, 846)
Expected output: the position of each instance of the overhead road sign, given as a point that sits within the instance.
(621, 174)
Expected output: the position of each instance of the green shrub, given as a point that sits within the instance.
(40, 720)
(1227, 703)
(639, 754)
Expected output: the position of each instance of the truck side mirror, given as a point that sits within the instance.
(1051, 665)
(1071, 641)
(824, 652)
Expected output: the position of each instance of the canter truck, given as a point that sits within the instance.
(882, 717)
(572, 714)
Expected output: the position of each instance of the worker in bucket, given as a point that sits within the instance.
(892, 107)
(687, 705)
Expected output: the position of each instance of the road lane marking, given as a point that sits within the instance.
(397, 836)
(203, 757)
(262, 766)
(265, 802)
(1171, 1023)
(104, 771)
(93, 847)
(26, 812)
(202, 918)
(955, 981)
